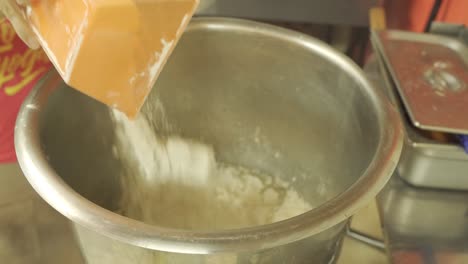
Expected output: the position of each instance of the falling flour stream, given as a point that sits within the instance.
(175, 182)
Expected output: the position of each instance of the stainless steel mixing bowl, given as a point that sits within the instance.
(266, 98)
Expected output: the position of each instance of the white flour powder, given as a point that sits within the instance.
(175, 182)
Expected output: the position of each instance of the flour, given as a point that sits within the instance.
(175, 182)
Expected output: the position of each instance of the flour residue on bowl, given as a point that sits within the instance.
(175, 182)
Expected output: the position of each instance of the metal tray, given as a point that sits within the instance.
(431, 75)
(425, 162)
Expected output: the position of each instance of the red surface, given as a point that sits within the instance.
(407, 257)
(20, 69)
(454, 11)
(412, 15)
(407, 14)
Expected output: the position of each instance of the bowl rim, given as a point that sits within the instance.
(85, 213)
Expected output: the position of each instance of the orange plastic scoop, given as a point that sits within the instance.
(111, 50)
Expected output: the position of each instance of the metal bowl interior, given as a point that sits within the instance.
(266, 98)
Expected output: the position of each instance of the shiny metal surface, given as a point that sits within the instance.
(366, 239)
(433, 84)
(421, 225)
(226, 80)
(425, 162)
(458, 31)
(424, 225)
(31, 232)
(46, 236)
(52, 237)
